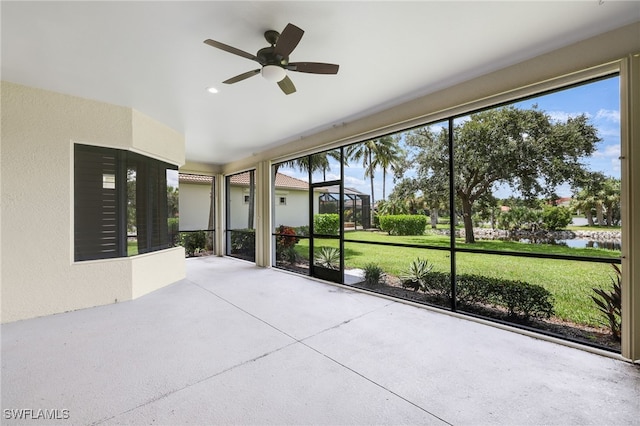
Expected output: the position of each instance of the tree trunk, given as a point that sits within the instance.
(384, 184)
(434, 217)
(469, 238)
(373, 200)
(609, 215)
(589, 216)
(599, 215)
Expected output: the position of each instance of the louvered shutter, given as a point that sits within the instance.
(97, 233)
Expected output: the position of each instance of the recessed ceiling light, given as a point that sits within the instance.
(212, 90)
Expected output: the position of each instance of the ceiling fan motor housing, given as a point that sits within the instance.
(266, 56)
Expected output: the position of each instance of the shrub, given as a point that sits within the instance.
(173, 223)
(554, 218)
(520, 299)
(243, 241)
(610, 303)
(303, 231)
(525, 300)
(326, 224)
(403, 224)
(373, 274)
(328, 257)
(477, 289)
(438, 285)
(520, 218)
(193, 242)
(285, 240)
(290, 255)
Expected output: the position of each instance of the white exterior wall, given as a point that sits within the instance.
(195, 203)
(294, 213)
(239, 210)
(38, 272)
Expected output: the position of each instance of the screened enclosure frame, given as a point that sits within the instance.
(453, 249)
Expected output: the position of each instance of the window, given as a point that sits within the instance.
(125, 203)
(246, 199)
(282, 201)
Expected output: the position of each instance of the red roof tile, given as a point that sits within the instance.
(282, 180)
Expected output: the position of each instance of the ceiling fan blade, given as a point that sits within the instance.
(287, 85)
(242, 76)
(313, 67)
(288, 40)
(231, 49)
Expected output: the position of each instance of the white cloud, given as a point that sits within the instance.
(615, 165)
(565, 115)
(609, 115)
(610, 151)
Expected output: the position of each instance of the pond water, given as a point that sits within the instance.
(573, 242)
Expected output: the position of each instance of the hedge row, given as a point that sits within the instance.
(403, 224)
(326, 224)
(520, 299)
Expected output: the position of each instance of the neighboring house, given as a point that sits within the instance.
(291, 201)
(563, 202)
(195, 201)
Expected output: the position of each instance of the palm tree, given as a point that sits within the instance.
(382, 152)
(584, 201)
(589, 195)
(611, 198)
(315, 162)
(388, 157)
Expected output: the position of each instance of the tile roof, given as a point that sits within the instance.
(282, 180)
(188, 178)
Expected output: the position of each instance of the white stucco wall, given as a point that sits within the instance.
(38, 273)
(294, 213)
(239, 211)
(195, 203)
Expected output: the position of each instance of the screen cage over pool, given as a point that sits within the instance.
(357, 206)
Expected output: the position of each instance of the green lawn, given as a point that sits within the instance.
(570, 282)
(132, 248)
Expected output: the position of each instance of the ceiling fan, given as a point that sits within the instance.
(275, 59)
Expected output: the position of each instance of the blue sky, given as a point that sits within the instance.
(599, 101)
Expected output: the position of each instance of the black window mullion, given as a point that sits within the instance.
(121, 203)
(452, 222)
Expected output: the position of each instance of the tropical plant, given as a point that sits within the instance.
(610, 303)
(383, 152)
(328, 257)
(416, 274)
(373, 274)
(285, 240)
(290, 255)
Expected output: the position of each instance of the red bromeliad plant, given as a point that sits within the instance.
(286, 237)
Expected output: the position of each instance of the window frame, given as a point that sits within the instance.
(151, 183)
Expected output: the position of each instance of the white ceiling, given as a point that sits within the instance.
(150, 56)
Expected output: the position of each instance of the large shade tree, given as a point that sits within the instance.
(522, 148)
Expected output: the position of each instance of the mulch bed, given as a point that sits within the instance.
(593, 336)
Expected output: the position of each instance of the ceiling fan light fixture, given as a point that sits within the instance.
(273, 73)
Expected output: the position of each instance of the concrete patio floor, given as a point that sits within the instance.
(237, 344)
